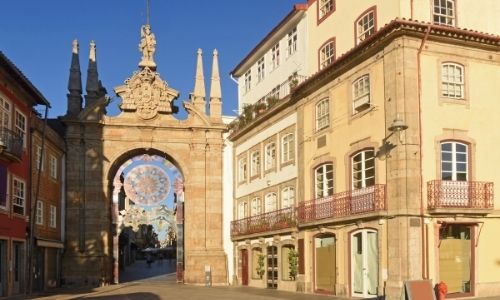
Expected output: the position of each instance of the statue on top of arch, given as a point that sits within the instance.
(147, 46)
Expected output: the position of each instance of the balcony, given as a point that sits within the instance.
(452, 196)
(345, 204)
(274, 220)
(11, 144)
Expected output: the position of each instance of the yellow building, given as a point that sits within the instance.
(392, 154)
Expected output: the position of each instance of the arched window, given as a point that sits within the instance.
(288, 262)
(288, 148)
(323, 179)
(363, 169)
(255, 164)
(452, 81)
(255, 208)
(366, 25)
(322, 114)
(287, 197)
(270, 156)
(327, 54)
(242, 210)
(242, 170)
(454, 161)
(361, 94)
(270, 202)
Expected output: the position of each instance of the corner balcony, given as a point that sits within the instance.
(271, 221)
(459, 196)
(343, 205)
(11, 145)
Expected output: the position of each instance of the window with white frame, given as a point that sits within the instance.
(261, 69)
(361, 94)
(365, 26)
(39, 158)
(39, 212)
(452, 81)
(18, 196)
(325, 6)
(292, 41)
(323, 180)
(242, 210)
(327, 54)
(444, 12)
(5, 113)
(270, 202)
(255, 208)
(248, 80)
(53, 216)
(255, 163)
(288, 148)
(53, 166)
(322, 114)
(242, 169)
(363, 169)
(287, 197)
(454, 161)
(269, 156)
(20, 126)
(275, 56)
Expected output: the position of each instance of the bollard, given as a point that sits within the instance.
(442, 290)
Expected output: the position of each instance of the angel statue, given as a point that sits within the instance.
(147, 47)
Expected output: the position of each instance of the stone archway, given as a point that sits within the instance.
(97, 145)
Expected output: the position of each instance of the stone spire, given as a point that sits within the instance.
(215, 89)
(74, 83)
(198, 95)
(94, 87)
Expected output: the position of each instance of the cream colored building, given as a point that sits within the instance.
(394, 155)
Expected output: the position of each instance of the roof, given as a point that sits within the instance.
(297, 9)
(22, 80)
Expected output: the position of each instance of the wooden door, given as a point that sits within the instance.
(244, 267)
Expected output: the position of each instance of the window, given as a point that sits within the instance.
(242, 210)
(363, 169)
(287, 197)
(18, 196)
(53, 167)
(286, 256)
(361, 94)
(454, 161)
(323, 180)
(292, 41)
(20, 126)
(270, 156)
(270, 202)
(39, 158)
(4, 113)
(53, 216)
(275, 55)
(255, 208)
(255, 164)
(39, 212)
(256, 253)
(365, 25)
(325, 7)
(327, 54)
(287, 148)
(242, 170)
(322, 114)
(452, 81)
(260, 69)
(444, 12)
(248, 80)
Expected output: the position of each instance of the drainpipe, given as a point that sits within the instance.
(425, 250)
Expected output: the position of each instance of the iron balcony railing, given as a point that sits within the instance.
(274, 220)
(11, 142)
(459, 194)
(282, 90)
(359, 201)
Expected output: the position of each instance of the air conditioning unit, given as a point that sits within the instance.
(362, 103)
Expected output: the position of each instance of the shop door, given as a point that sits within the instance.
(272, 267)
(244, 267)
(18, 267)
(324, 264)
(364, 263)
(3, 268)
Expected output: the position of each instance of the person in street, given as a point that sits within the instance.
(149, 259)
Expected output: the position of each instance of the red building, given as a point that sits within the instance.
(18, 96)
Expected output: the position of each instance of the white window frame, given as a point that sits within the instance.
(256, 207)
(444, 12)
(18, 195)
(275, 56)
(323, 180)
(242, 169)
(327, 54)
(452, 80)
(362, 167)
(270, 202)
(5, 112)
(270, 156)
(365, 26)
(457, 157)
(322, 114)
(20, 125)
(288, 148)
(261, 69)
(287, 197)
(242, 210)
(39, 159)
(255, 163)
(292, 41)
(39, 212)
(361, 96)
(53, 166)
(53, 216)
(248, 81)
(325, 6)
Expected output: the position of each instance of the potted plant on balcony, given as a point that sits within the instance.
(260, 265)
(248, 113)
(271, 101)
(293, 81)
(259, 108)
(293, 261)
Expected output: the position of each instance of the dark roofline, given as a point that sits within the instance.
(296, 9)
(22, 80)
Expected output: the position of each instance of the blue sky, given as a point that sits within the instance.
(37, 35)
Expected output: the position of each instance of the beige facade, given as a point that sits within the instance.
(394, 165)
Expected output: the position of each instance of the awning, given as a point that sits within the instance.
(49, 244)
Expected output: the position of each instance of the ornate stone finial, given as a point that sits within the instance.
(75, 46)
(92, 51)
(147, 47)
(198, 96)
(74, 83)
(215, 89)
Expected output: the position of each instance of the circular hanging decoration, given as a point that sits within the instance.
(147, 184)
